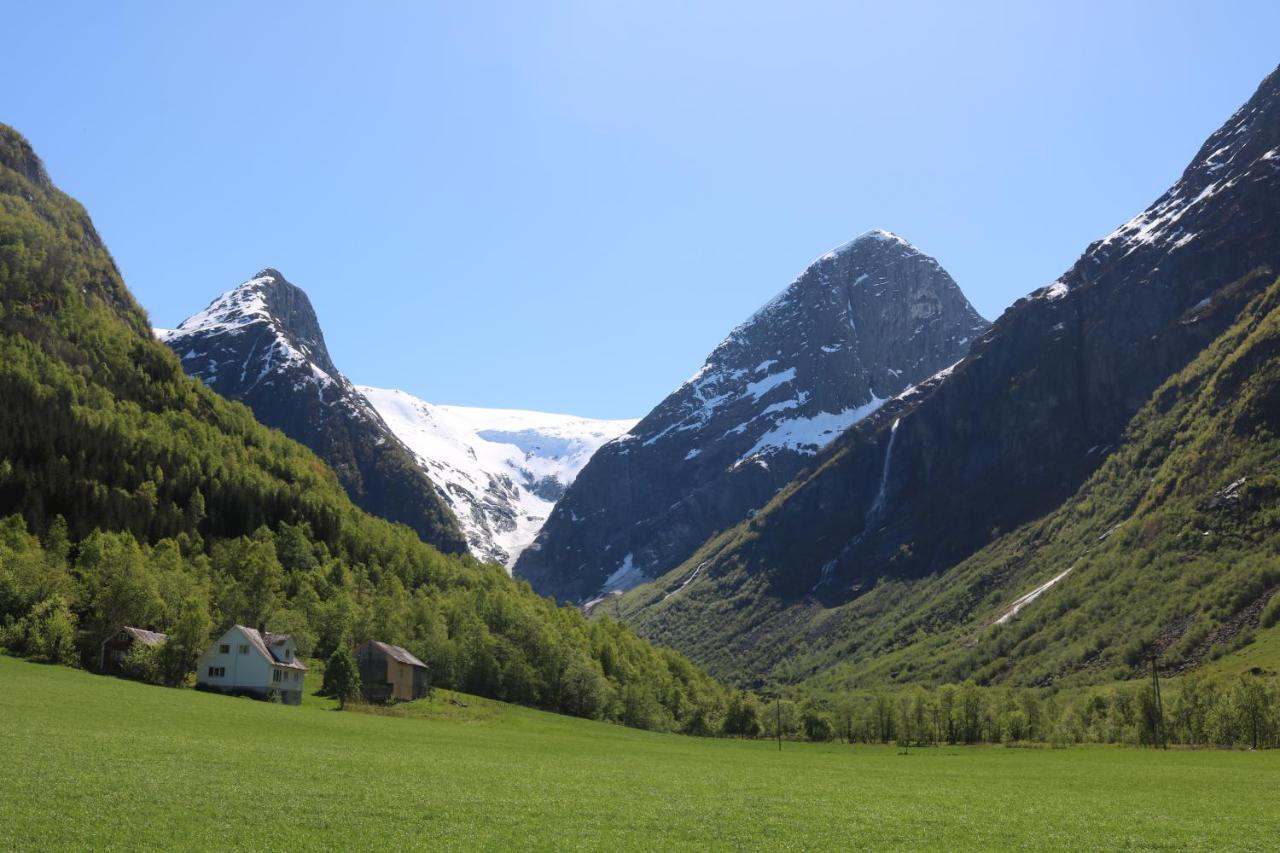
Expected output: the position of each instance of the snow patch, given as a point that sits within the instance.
(690, 579)
(1013, 609)
(809, 435)
(623, 578)
(1055, 291)
(764, 386)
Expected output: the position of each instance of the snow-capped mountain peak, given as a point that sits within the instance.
(879, 235)
(261, 343)
(856, 327)
(235, 308)
(266, 300)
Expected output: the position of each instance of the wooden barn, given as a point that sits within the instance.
(390, 673)
(117, 647)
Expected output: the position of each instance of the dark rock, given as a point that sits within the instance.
(1032, 410)
(857, 327)
(261, 344)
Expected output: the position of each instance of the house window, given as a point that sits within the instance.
(224, 649)
(275, 675)
(217, 671)
(244, 648)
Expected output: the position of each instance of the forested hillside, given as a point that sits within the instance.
(132, 494)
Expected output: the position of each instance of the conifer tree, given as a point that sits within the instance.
(341, 677)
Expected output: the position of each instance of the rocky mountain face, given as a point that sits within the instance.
(502, 470)
(1012, 430)
(261, 344)
(859, 325)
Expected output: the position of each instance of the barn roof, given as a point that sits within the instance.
(398, 653)
(149, 638)
(268, 643)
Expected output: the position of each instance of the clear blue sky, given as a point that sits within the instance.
(565, 206)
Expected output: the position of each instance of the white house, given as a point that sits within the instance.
(245, 661)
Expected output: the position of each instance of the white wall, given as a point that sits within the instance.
(243, 671)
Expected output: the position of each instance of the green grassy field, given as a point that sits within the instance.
(95, 762)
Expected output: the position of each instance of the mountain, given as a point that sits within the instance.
(999, 440)
(261, 344)
(859, 325)
(1171, 546)
(131, 494)
(502, 470)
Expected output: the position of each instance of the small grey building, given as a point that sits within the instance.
(116, 648)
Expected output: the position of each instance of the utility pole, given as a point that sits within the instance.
(1161, 737)
(777, 709)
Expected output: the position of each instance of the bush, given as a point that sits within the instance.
(143, 663)
(48, 632)
(1271, 613)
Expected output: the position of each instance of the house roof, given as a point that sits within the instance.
(142, 635)
(271, 646)
(398, 653)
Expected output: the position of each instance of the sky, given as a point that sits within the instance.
(566, 206)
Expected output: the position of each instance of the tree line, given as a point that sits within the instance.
(1193, 710)
(480, 631)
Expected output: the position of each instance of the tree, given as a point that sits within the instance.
(143, 664)
(194, 512)
(188, 637)
(882, 724)
(816, 722)
(261, 574)
(53, 631)
(969, 711)
(946, 710)
(118, 588)
(1191, 709)
(923, 716)
(742, 718)
(1250, 699)
(341, 677)
(906, 721)
(583, 688)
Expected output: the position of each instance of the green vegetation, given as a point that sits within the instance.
(1192, 710)
(1173, 545)
(341, 677)
(110, 763)
(132, 495)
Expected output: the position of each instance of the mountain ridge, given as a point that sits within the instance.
(858, 325)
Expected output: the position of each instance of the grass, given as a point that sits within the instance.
(96, 762)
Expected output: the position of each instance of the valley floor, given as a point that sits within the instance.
(96, 762)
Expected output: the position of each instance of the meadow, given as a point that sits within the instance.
(97, 762)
